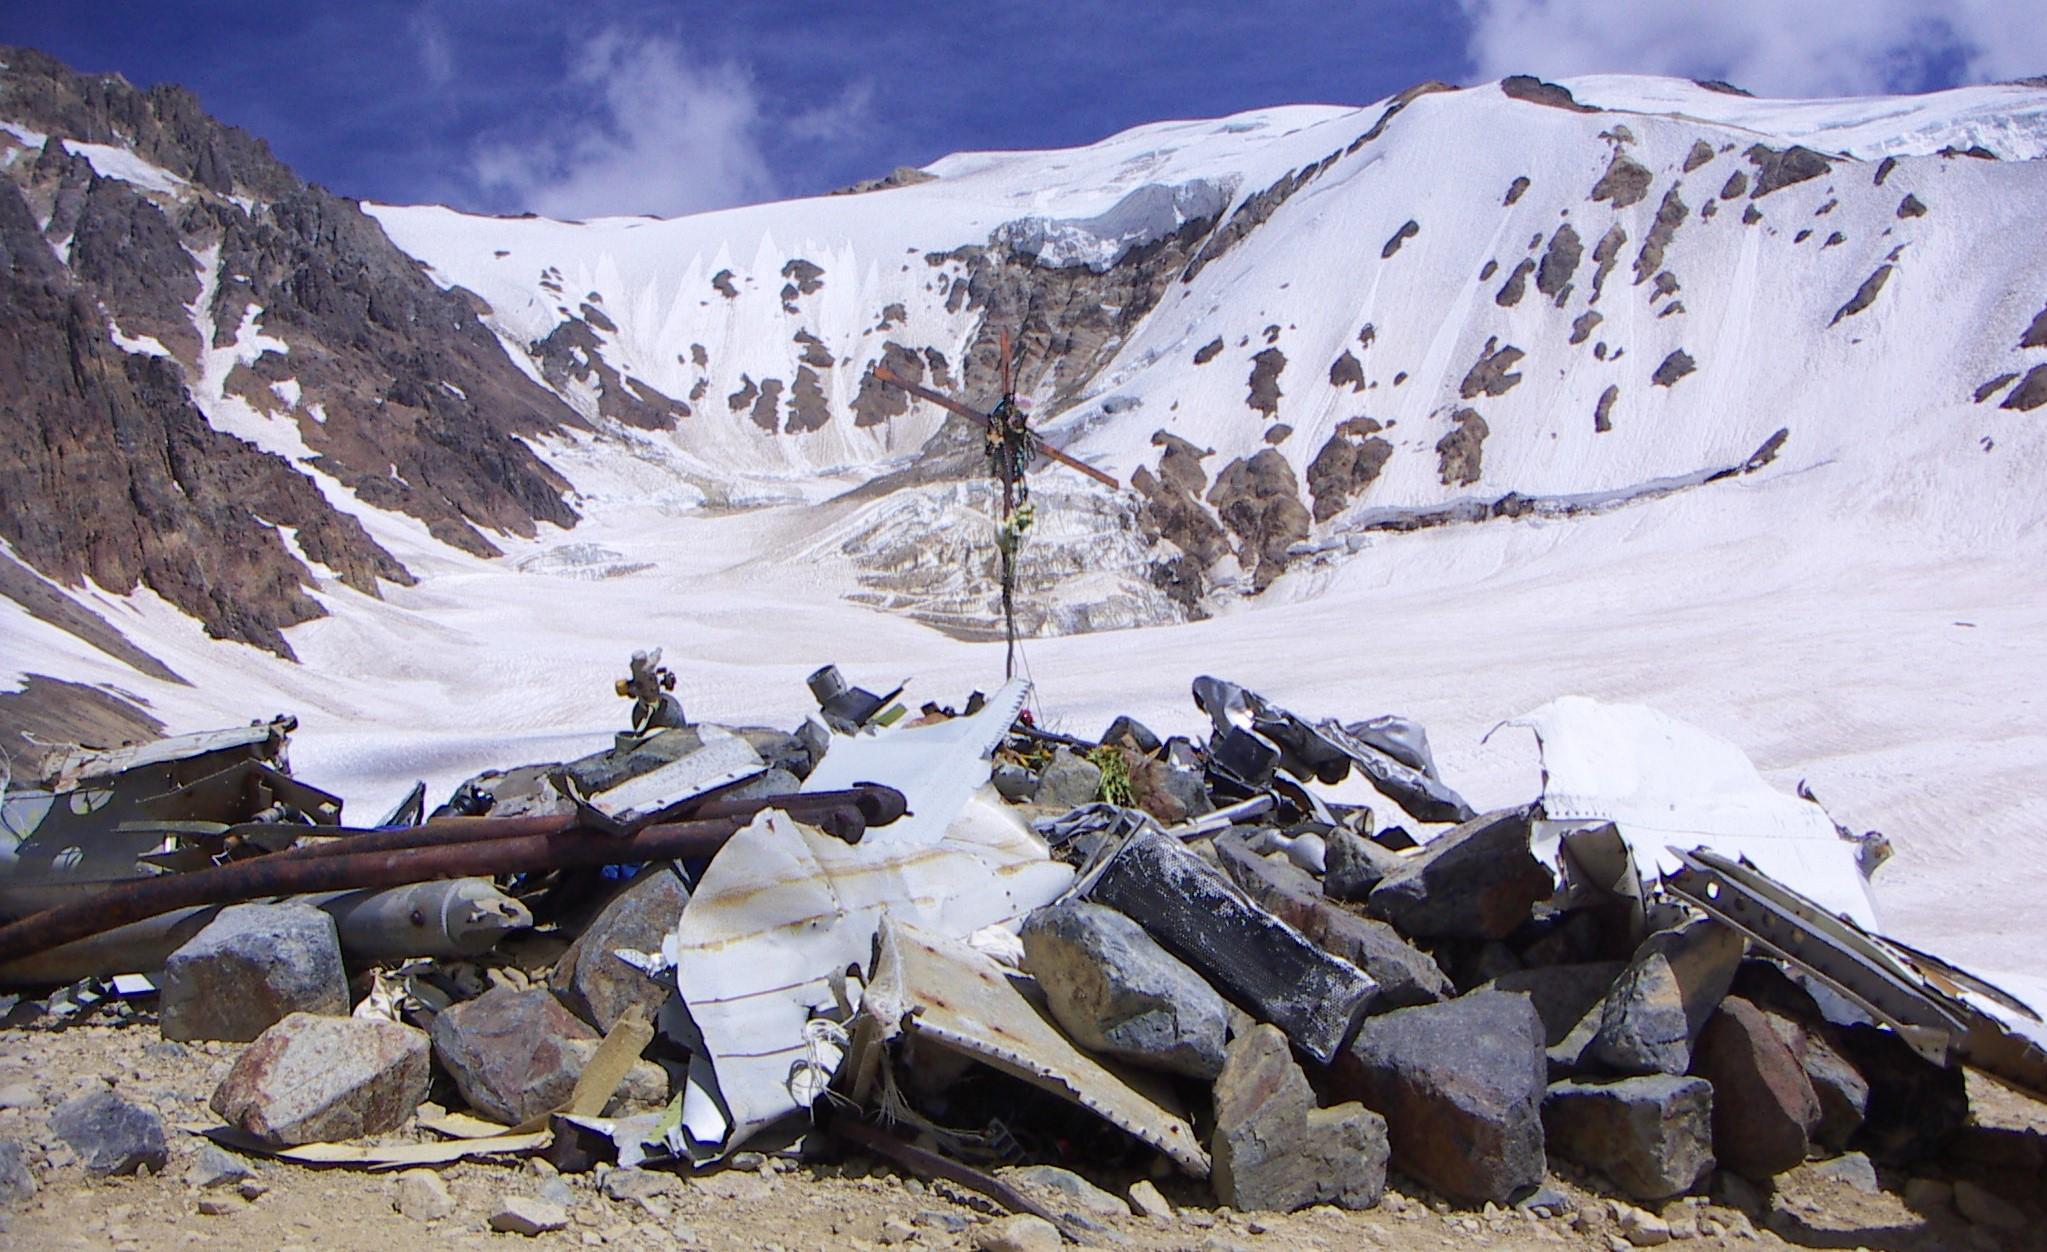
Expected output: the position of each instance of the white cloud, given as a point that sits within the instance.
(659, 133)
(1771, 47)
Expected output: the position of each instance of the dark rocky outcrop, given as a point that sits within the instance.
(1605, 255)
(1910, 206)
(1459, 453)
(1489, 376)
(1865, 295)
(570, 356)
(1777, 170)
(1536, 91)
(1515, 190)
(1259, 500)
(1208, 351)
(1516, 286)
(114, 476)
(1673, 367)
(1173, 510)
(2031, 393)
(1670, 214)
(1602, 413)
(1348, 464)
(1625, 182)
(2036, 334)
(1701, 153)
(1346, 371)
(1993, 386)
(1584, 324)
(808, 409)
(1263, 391)
(1559, 262)
(877, 401)
(1401, 236)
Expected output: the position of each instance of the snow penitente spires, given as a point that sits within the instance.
(1012, 448)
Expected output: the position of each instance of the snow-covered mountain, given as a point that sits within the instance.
(1449, 403)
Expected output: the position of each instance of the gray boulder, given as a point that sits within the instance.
(1461, 1086)
(1356, 865)
(16, 1182)
(508, 1052)
(1478, 881)
(1068, 781)
(1764, 1108)
(1653, 1136)
(1275, 1150)
(110, 1135)
(1660, 1003)
(252, 966)
(315, 1079)
(591, 980)
(1115, 990)
(1562, 994)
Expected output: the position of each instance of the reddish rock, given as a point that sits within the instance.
(1764, 1108)
(508, 1052)
(313, 1079)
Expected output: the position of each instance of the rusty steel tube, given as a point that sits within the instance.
(282, 874)
(873, 804)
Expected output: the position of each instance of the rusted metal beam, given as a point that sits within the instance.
(352, 865)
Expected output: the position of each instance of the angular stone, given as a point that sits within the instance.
(1652, 1136)
(508, 1052)
(1274, 1150)
(1843, 1092)
(1068, 781)
(422, 1196)
(1071, 1188)
(1404, 974)
(1562, 994)
(110, 1135)
(1478, 881)
(1851, 1169)
(524, 1215)
(17, 1183)
(1115, 990)
(1764, 1109)
(252, 966)
(590, 978)
(1019, 1233)
(1658, 1006)
(215, 1168)
(1461, 1086)
(314, 1079)
(1356, 865)
(1252, 957)
(1146, 1201)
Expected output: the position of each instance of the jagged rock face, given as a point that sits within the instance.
(112, 475)
(1259, 500)
(392, 386)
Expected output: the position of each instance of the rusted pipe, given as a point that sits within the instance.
(287, 874)
(870, 803)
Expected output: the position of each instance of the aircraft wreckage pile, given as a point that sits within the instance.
(961, 943)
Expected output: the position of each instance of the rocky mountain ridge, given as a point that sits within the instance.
(1297, 334)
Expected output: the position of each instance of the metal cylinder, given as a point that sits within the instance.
(826, 684)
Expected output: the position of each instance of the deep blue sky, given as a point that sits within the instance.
(633, 105)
